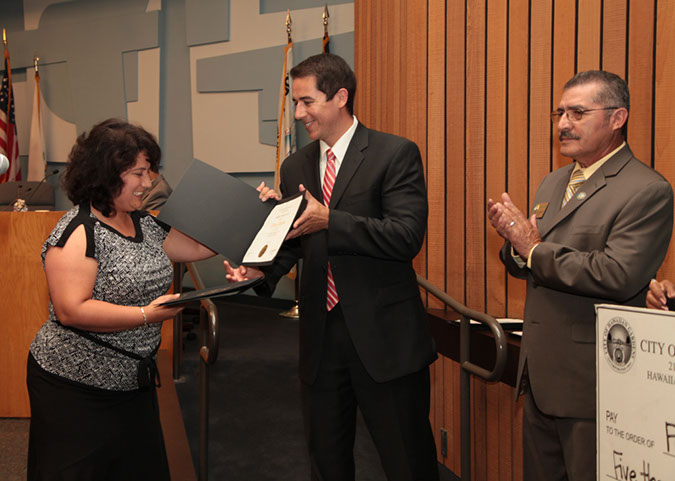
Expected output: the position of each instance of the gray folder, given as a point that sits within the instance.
(217, 209)
(224, 290)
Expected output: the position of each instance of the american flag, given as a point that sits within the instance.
(9, 144)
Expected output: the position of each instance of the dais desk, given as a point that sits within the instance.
(496, 419)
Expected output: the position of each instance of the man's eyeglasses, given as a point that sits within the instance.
(574, 115)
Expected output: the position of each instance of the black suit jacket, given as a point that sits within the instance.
(378, 215)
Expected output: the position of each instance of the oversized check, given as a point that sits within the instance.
(635, 367)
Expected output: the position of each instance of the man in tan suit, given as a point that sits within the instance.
(599, 230)
(158, 193)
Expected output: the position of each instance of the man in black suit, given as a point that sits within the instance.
(364, 338)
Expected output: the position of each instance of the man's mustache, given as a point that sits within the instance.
(565, 134)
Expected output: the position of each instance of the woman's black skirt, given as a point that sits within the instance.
(79, 432)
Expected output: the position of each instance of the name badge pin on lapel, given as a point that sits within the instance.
(539, 209)
(581, 195)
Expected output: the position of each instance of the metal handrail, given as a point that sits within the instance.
(467, 366)
(488, 320)
(211, 331)
(209, 337)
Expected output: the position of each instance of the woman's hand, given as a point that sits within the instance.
(156, 313)
(242, 273)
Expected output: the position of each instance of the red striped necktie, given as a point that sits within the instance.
(328, 182)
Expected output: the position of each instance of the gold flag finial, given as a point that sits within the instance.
(4, 38)
(36, 59)
(325, 16)
(326, 39)
(288, 25)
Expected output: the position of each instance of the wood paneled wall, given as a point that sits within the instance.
(473, 83)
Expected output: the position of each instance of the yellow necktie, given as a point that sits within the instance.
(575, 182)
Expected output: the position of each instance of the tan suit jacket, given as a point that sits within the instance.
(604, 246)
(157, 195)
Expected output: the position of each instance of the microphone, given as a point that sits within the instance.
(4, 164)
(54, 172)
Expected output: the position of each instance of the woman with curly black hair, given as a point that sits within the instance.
(91, 368)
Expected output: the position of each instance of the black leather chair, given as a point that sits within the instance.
(38, 196)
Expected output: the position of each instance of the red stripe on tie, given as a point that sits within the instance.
(328, 182)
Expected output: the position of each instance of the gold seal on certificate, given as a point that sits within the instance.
(262, 251)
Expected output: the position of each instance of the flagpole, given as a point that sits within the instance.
(326, 38)
(37, 160)
(36, 59)
(9, 72)
(293, 312)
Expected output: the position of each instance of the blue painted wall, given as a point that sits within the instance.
(170, 65)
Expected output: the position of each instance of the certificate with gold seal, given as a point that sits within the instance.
(271, 235)
(225, 214)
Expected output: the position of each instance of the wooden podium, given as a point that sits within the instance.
(24, 302)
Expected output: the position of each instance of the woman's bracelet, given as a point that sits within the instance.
(145, 318)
